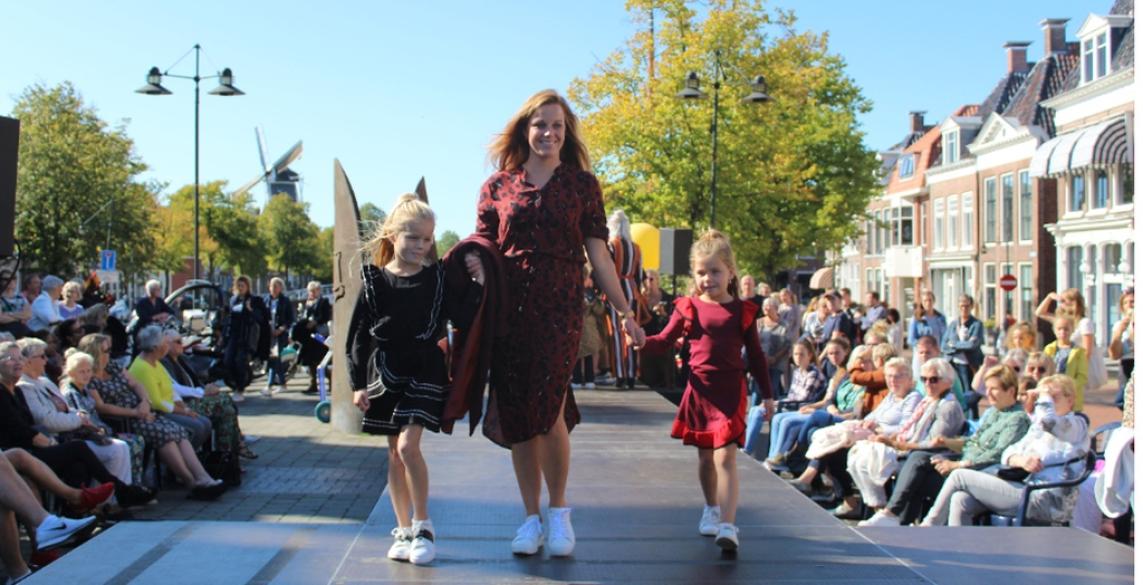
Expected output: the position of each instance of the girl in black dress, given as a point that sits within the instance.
(396, 364)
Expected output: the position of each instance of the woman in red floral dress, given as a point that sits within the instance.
(543, 207)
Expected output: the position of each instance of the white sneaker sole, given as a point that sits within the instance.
(727, 544)
(522, 550)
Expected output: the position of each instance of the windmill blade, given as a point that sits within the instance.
(421, 191)
(248, 186)
(291, 155)
(261, 149)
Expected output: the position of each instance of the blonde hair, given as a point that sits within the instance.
(899, 364)
(279, 281)
(246, 279)
(92, 345)
(1021, 335)
(510, 149)
(883, 352)
(408, 210)
(717, 244)
(1060, 382)
(71, 286)
(1074, 295)
(1064, 321)
(1006, 376)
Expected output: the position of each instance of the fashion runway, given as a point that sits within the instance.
(636, 507)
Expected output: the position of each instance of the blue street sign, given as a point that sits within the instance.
(107, 260)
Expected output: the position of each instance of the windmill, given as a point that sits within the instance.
(278, 176)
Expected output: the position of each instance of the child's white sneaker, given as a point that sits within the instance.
(402, 542)
(589, 386)
(561, 537)
(529, 536)
(708, 524)
(727, 538)
(423, 550)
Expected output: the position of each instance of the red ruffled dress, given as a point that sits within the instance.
(712, 413)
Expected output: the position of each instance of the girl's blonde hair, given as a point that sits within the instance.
(1021, 335)
(1064, 321)
(408, 210)
(717, 244)
(1074, 295)
(510, 149)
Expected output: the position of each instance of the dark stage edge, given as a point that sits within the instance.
(636, 506)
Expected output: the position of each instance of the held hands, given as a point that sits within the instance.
(361, 400)
(475, 269)
(636, 337)
(768, 405)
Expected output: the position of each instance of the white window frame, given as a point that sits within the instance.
(1095, 190)
(951, 146)
(938, 224)
(988, 303)
(1021, 177)
(906, 163)
(1084, 204)
(966, 211)
(1121, 172)
(952, 211)
(990, 208)
(1007, 211)
(1025, 284)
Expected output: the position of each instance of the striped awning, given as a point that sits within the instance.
(1103, 144)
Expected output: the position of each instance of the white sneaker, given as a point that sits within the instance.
(237, 397)
(880, 519)
(55, 531)
(589, 386)
(424, 549)
(576, 385)
(727, 538)
(708, 525)
(529, 536)
(402, 542)
(561, 537)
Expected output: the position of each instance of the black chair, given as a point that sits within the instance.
(1021, 518)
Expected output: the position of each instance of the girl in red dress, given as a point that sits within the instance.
(712, 414)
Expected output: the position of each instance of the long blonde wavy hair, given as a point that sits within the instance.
(510, 149)
(408, 210)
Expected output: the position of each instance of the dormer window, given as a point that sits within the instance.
(905, 166)
(1095, 57)
(951, 147)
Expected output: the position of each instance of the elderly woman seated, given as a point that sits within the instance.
(924, 469)
(204, 398)
(893, 411)
(152, 344)
(1057, 436)
(117, 394)
(52, 415)
(939, 416)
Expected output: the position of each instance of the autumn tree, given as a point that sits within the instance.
(77, 187)
(793, 175)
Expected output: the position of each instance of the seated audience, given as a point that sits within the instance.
(784, 426)
(69, 307)
(79, 369)
(152, 345)
(204, 398)
(15, 311)
(1056, 436)
(807, 384)
(45, 308)
(1070, 360)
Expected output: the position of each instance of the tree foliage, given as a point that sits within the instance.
(370, 216)
(793, 175)
(290, 238)
(323, 272)
(446, 241)
(77, 190)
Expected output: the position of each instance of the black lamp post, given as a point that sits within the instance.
(691, 91)
(225, 88)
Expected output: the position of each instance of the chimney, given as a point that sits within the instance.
(1017, 56)
(917, 121)
(1055, 36)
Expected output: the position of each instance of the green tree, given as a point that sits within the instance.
(291, 239)
(370, 216)
(77, 188)
(445, 243)
(323, 272)
(231, 224)
(793, 174)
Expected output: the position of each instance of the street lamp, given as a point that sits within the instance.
(225, 88)
(691, 91)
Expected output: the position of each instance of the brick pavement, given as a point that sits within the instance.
(305, 473)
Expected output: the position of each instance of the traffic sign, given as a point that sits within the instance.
(1008, 282)
(107, 260)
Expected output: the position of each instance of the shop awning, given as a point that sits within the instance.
(823, 278)
(1103, 144)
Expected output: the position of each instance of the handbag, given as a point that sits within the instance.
(1008, 473)
(224, 465)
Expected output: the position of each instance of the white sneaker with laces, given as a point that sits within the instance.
(708, 524)
(561, 537)
(424, 549)
(402, 542)
(880, 519)
(529, 536)
(55, 531)
(727, 538)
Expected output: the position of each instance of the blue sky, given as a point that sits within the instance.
(397, 90)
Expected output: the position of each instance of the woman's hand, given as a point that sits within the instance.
(361, 400)
(41, 440)
(946, 466)
(869, 424)
(807, 409)
(1032, 464)
(475, 267)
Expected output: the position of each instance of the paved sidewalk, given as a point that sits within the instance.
(305, 473)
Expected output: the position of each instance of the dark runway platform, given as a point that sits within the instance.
(636, 505)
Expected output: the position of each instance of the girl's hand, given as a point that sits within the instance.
(634, 332)
(361, 400)
(475, 268)
(768, 404)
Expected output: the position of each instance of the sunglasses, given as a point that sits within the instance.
(1039, 370)
(931, 379)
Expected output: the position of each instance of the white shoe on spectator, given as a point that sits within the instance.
(561, 537)
(250, 439)
(266, 392)
(589, 386)
(55, 531)
(708, 524)
(424, 549)
(576, 385)
(237, 397)
(880, 519)
(529, 536)
(402, 542)
(727, 538)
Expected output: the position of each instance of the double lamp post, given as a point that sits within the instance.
(225, 88)
(691, 91)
